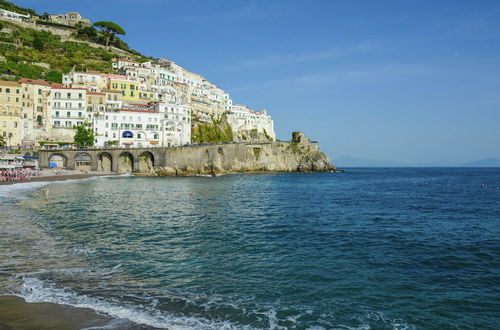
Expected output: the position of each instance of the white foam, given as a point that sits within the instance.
(34, 290)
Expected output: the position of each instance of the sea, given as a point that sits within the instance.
(370, 248)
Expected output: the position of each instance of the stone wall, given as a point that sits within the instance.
(294, 156)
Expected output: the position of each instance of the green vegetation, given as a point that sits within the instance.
(28, 51)
(109, 29)
(7, 5)
(84, 137)
(54, 24)
(216, 132)
(3, 143)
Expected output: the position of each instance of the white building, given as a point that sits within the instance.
(146, 125)
(67, 109)
(244, 120)
(176, 122)
(137, 127)
(13, 16)
(91, 80)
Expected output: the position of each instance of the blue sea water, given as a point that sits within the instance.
(408, 248)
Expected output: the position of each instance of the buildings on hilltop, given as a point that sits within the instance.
(13, 16)
(142, 104)
(71, 18)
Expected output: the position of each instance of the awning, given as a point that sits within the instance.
(127, 134)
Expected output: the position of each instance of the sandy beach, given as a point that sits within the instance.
(47, 175)
(15, 313)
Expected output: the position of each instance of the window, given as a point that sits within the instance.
(131, 93)
(67, 124)
(68, 95)
(68, 114)
(80, 96)
(7, 90)
(57, 123)
(80, 115)
(138, 135)
(115, 85)
(17, 91)
(57, 114)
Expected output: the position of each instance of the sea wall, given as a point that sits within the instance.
(298, 155)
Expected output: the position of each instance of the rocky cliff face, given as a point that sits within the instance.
(299, 155)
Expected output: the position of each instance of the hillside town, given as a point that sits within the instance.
(154, 103)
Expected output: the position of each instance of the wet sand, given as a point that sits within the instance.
(15, 313)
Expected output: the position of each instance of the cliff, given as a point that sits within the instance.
(299, 155)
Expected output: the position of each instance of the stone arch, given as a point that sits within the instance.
(82, 161)
(104, 162)
(146, 162)
(57, 160)
(125, 162)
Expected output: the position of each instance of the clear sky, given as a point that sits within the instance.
(413, 81)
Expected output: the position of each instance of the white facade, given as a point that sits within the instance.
(13, 16)
(67, 108)
(155, 125)
(243, 119)
(90, 80)
(176, 122)
(136, 128)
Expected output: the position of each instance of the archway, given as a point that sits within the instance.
(104, 162)
(57, 161)
(82, 161)
(146, 162)
(126, 163)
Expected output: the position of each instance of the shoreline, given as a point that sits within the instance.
(60, 177)
(16, 313)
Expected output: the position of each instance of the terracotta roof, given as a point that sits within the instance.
(40, 82)
(95, 93)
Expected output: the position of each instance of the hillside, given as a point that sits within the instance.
(36, 53)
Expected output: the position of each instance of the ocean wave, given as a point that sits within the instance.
(34, 290)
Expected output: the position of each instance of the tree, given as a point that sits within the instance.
(1, 26)
(110, 29)
(54, 76)
(38, 43)
(84, 137)
(2, 142)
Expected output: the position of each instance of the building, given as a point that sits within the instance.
(91, 80)
(137, 126)
(67, 109)
(119, 63)
(11, 112)
(249, 124)
(128, 88)
(13, 16)
(176, 123)
(71, 18)
(35, 102)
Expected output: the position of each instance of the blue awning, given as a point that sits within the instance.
(127, 134)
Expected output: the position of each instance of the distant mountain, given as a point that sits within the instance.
(487, 162)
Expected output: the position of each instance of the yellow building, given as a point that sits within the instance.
(11, 112)
(128, 88)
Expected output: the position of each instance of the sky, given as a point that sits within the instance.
(412, 82)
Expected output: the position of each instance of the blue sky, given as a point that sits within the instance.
(404, 81)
